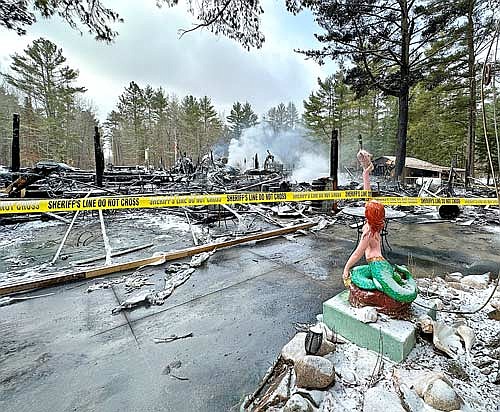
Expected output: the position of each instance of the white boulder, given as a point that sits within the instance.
(378, 399)
(294, 350)
(440, 395)
(476, 281)
(297, 403)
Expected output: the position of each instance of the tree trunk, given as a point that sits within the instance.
(404, 92)
(340, 126)
(402, 131)
(472, 110)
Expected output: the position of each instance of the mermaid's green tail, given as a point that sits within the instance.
(395, 281)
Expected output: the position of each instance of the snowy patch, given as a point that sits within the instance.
(475, 379)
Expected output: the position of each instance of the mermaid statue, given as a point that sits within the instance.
(390, 288)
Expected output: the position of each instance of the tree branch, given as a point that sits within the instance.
(206, 23)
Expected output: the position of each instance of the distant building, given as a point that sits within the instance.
(414, 168)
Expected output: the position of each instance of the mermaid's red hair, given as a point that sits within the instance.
(375, 215)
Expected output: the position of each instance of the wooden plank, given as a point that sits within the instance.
(115, 254)
(58, 279)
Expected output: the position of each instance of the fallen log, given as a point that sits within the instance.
(58, 279)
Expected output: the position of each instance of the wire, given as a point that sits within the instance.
(464, 312)
(485, 128)
(494, 89)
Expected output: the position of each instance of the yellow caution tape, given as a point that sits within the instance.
(437, 201)
(141, 202)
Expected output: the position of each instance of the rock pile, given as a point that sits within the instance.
(344, 377)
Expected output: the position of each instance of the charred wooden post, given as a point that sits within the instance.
(334, 162)
(256, 162)
(99, 157)
(334, 157)
(16, 158)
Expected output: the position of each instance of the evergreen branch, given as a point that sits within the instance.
(429, 56)
(383, 7)
(208, 23)
(386, 90)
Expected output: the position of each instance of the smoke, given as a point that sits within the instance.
(310, 167)
(220, 148)
(306, 159)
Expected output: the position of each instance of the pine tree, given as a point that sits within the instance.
(438, 120)
(41, 75)
(160, 143)
(322, 110)
(16, 15)
(277, 118)
(81, 153)
(174, 126)
(112, 135)
(470, 29)
(31, 134)
(250, 118)
(241, 117)
(335, 106)
(292, 116)
(131, 107)
(148, 95)
(191, 125)
(211, 125)
(387, 42)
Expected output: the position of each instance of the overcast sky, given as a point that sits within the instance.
(148, 50)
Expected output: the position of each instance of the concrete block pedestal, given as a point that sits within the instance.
(398, 335)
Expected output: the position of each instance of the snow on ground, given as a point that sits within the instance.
(26, 249)
(476, 379)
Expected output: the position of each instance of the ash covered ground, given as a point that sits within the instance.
(241, 305)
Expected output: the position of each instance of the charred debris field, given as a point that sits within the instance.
(39, 244)
(198, 301)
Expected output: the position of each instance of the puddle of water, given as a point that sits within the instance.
(26, 248)
(492, 229)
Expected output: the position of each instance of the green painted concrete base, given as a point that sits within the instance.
(398, 335)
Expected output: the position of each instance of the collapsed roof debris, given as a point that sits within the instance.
(211, 175)
(196, 232)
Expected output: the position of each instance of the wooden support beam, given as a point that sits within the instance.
(58, 279)
(99, 157)
(16, 158)
(105, 238)
(56, 217)
(195, 239)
